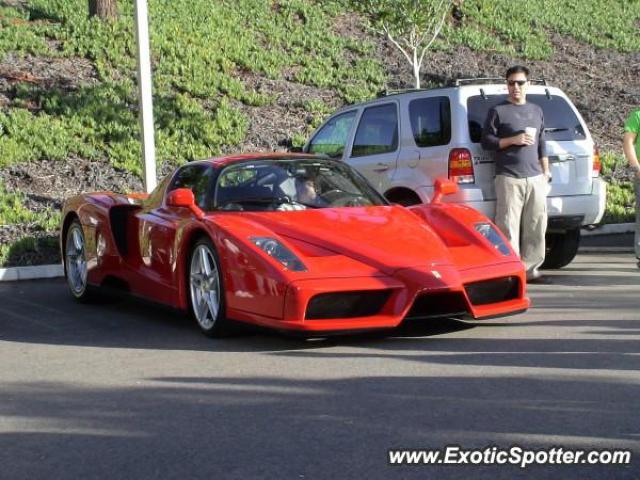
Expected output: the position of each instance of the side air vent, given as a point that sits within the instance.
(118, 216)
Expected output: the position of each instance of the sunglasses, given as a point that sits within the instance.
(520, 83)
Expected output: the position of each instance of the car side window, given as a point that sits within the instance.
(155, 198)
(333, 136)
(430, 121)
(377, 132)
(197, 178)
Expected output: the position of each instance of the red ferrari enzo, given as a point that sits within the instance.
(293, 242)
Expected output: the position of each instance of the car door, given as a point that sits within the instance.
(423, 157)
(157, 229)
(374, 150)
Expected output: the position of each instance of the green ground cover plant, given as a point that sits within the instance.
(209, 58)
(522, 28)
(14, 214)
(201, 52)
(620, 193)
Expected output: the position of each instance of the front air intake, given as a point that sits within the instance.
(438, 304)
(493, 291)
(346, 304)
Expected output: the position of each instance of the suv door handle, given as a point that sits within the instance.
(561, 158)
(381, 167)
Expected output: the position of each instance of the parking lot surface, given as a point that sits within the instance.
(123, 389)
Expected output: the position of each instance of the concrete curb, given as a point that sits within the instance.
(610, 229)
(31, 273)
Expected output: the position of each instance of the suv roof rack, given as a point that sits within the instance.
(480, 80)
(386, 92)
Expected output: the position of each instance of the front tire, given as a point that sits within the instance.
(206, 289)
(561, 248)
(75, 262)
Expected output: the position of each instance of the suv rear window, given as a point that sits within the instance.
(560, 121)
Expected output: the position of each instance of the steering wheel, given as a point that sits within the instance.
(350, 200)
(331, 196)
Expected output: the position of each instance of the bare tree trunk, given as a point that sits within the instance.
(104, 9)
(416, 68)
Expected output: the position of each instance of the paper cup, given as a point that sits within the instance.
(531, 131)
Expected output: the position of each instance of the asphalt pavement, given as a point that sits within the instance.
(122, 389)
(615, 241)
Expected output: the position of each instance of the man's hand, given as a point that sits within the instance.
(522, 139)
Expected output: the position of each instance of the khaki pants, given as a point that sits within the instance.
(521, 214)
(637, 236)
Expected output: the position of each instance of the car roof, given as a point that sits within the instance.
(229, 159)
(464, 89)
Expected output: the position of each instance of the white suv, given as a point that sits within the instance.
(402, 142)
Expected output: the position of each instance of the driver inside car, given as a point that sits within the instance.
(306, 192)
(306, 195)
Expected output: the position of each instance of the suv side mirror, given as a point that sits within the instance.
(443, 186)
(183, 197)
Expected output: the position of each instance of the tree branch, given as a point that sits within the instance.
(443, 4)
(398, 46)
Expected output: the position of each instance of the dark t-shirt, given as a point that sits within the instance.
(506, 120)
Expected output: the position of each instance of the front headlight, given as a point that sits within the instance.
(282, 254)
(489, 232)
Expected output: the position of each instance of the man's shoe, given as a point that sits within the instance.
(533, 275)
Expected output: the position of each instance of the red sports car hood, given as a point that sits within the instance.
(388, 237)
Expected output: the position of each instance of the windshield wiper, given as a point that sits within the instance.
(556, 129)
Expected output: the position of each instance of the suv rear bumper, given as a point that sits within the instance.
(564, 212)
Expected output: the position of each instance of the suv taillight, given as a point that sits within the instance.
(597, 164)
(461, 166)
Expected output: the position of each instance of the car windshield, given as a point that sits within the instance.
(291, 184)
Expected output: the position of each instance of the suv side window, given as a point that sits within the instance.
(430, 121)
(332, 138)
(560, 121)
(377, 132)
(197, 178)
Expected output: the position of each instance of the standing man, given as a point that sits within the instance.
(514, 130)
(631, 147)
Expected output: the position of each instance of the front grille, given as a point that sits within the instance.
(439, 304)
(493, 291)
(346, 304)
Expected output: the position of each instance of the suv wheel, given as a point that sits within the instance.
(561, 248)
(406, 198)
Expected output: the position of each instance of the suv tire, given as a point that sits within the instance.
(404, 198)
(561, 248)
